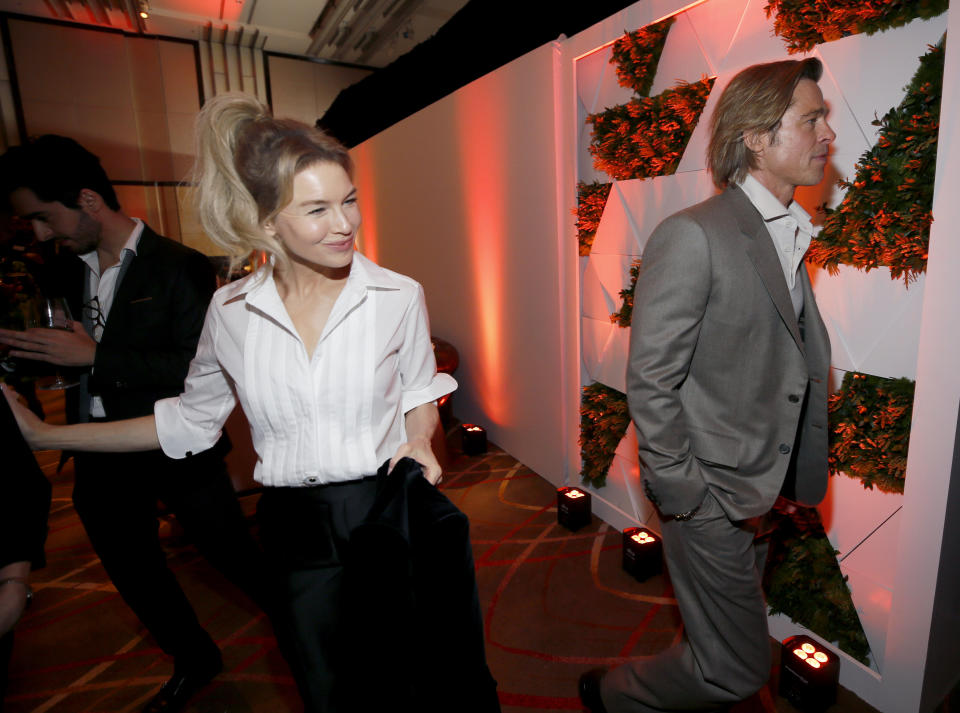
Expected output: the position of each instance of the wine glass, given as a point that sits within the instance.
(52, 313)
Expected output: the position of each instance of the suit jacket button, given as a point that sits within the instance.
(784, 448)
(793, 398)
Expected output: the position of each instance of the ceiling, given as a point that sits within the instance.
(371, 33)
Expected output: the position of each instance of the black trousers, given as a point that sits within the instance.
(116, 494)
(305, 533)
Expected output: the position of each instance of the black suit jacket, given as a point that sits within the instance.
(153, 328)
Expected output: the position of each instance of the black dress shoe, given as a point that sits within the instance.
(174, 694)
(589, 690)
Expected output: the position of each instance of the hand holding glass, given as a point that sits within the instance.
(52, 313)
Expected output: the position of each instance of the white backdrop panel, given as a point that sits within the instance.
(873, 321)
(642, 205)
(715, 24)
(873, 602)
(618, 232)
(852, 515)
(682, 58)
(603, 279)
(754, 41)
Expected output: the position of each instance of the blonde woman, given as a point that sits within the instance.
(328, 354)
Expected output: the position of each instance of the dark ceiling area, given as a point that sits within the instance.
(484, 35)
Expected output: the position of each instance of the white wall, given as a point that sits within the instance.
(462, 197)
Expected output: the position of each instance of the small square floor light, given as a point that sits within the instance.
(809, 674)
(474, 439)
(642, 553)
(573, 508)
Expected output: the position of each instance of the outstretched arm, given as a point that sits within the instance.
(134, 434)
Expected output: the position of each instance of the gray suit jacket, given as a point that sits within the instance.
(723, 389)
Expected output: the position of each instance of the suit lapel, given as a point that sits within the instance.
(132, 273)
(763, 254)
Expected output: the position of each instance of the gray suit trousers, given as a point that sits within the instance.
(724, 655)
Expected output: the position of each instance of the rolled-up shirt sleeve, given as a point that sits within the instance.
(418, 366)
(192, 422)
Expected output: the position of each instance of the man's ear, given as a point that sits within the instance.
(90, 201)
(756, 142)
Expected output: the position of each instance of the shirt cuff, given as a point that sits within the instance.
(178, 437)
(441, 385)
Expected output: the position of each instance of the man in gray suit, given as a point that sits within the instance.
(727, 386)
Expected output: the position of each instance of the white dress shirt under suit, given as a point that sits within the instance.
(329, 417)
(790, 229)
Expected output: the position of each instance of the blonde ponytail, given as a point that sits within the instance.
(245, 166)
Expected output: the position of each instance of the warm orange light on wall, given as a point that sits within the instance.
(482, 138)
(365, 180)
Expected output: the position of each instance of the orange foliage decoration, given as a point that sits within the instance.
(870, 420)
(806, 23)
(637, 54)
(646, 136)
(885, 217)
(591, 200)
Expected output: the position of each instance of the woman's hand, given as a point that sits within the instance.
(420, 450)
(421, 423)
(31, 427)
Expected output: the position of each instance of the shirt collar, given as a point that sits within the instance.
(133, 242)
(770, 208)
(364, 275)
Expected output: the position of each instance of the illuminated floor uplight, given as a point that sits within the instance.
(809, 674)
(642, 553)
(573, 508)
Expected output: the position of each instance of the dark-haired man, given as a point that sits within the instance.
(143, 299)
(727, 386)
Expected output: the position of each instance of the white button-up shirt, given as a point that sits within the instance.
(105, 287)
(332, 416)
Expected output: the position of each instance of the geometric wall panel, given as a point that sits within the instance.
(873, 321)
(754, 41)
(637, 206)
(682, 58)
(603, 278)
(715, 24)
(852, 515)
(605, 354)
(873, 603)
(595, 337)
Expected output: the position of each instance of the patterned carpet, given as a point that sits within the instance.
(556, 603)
